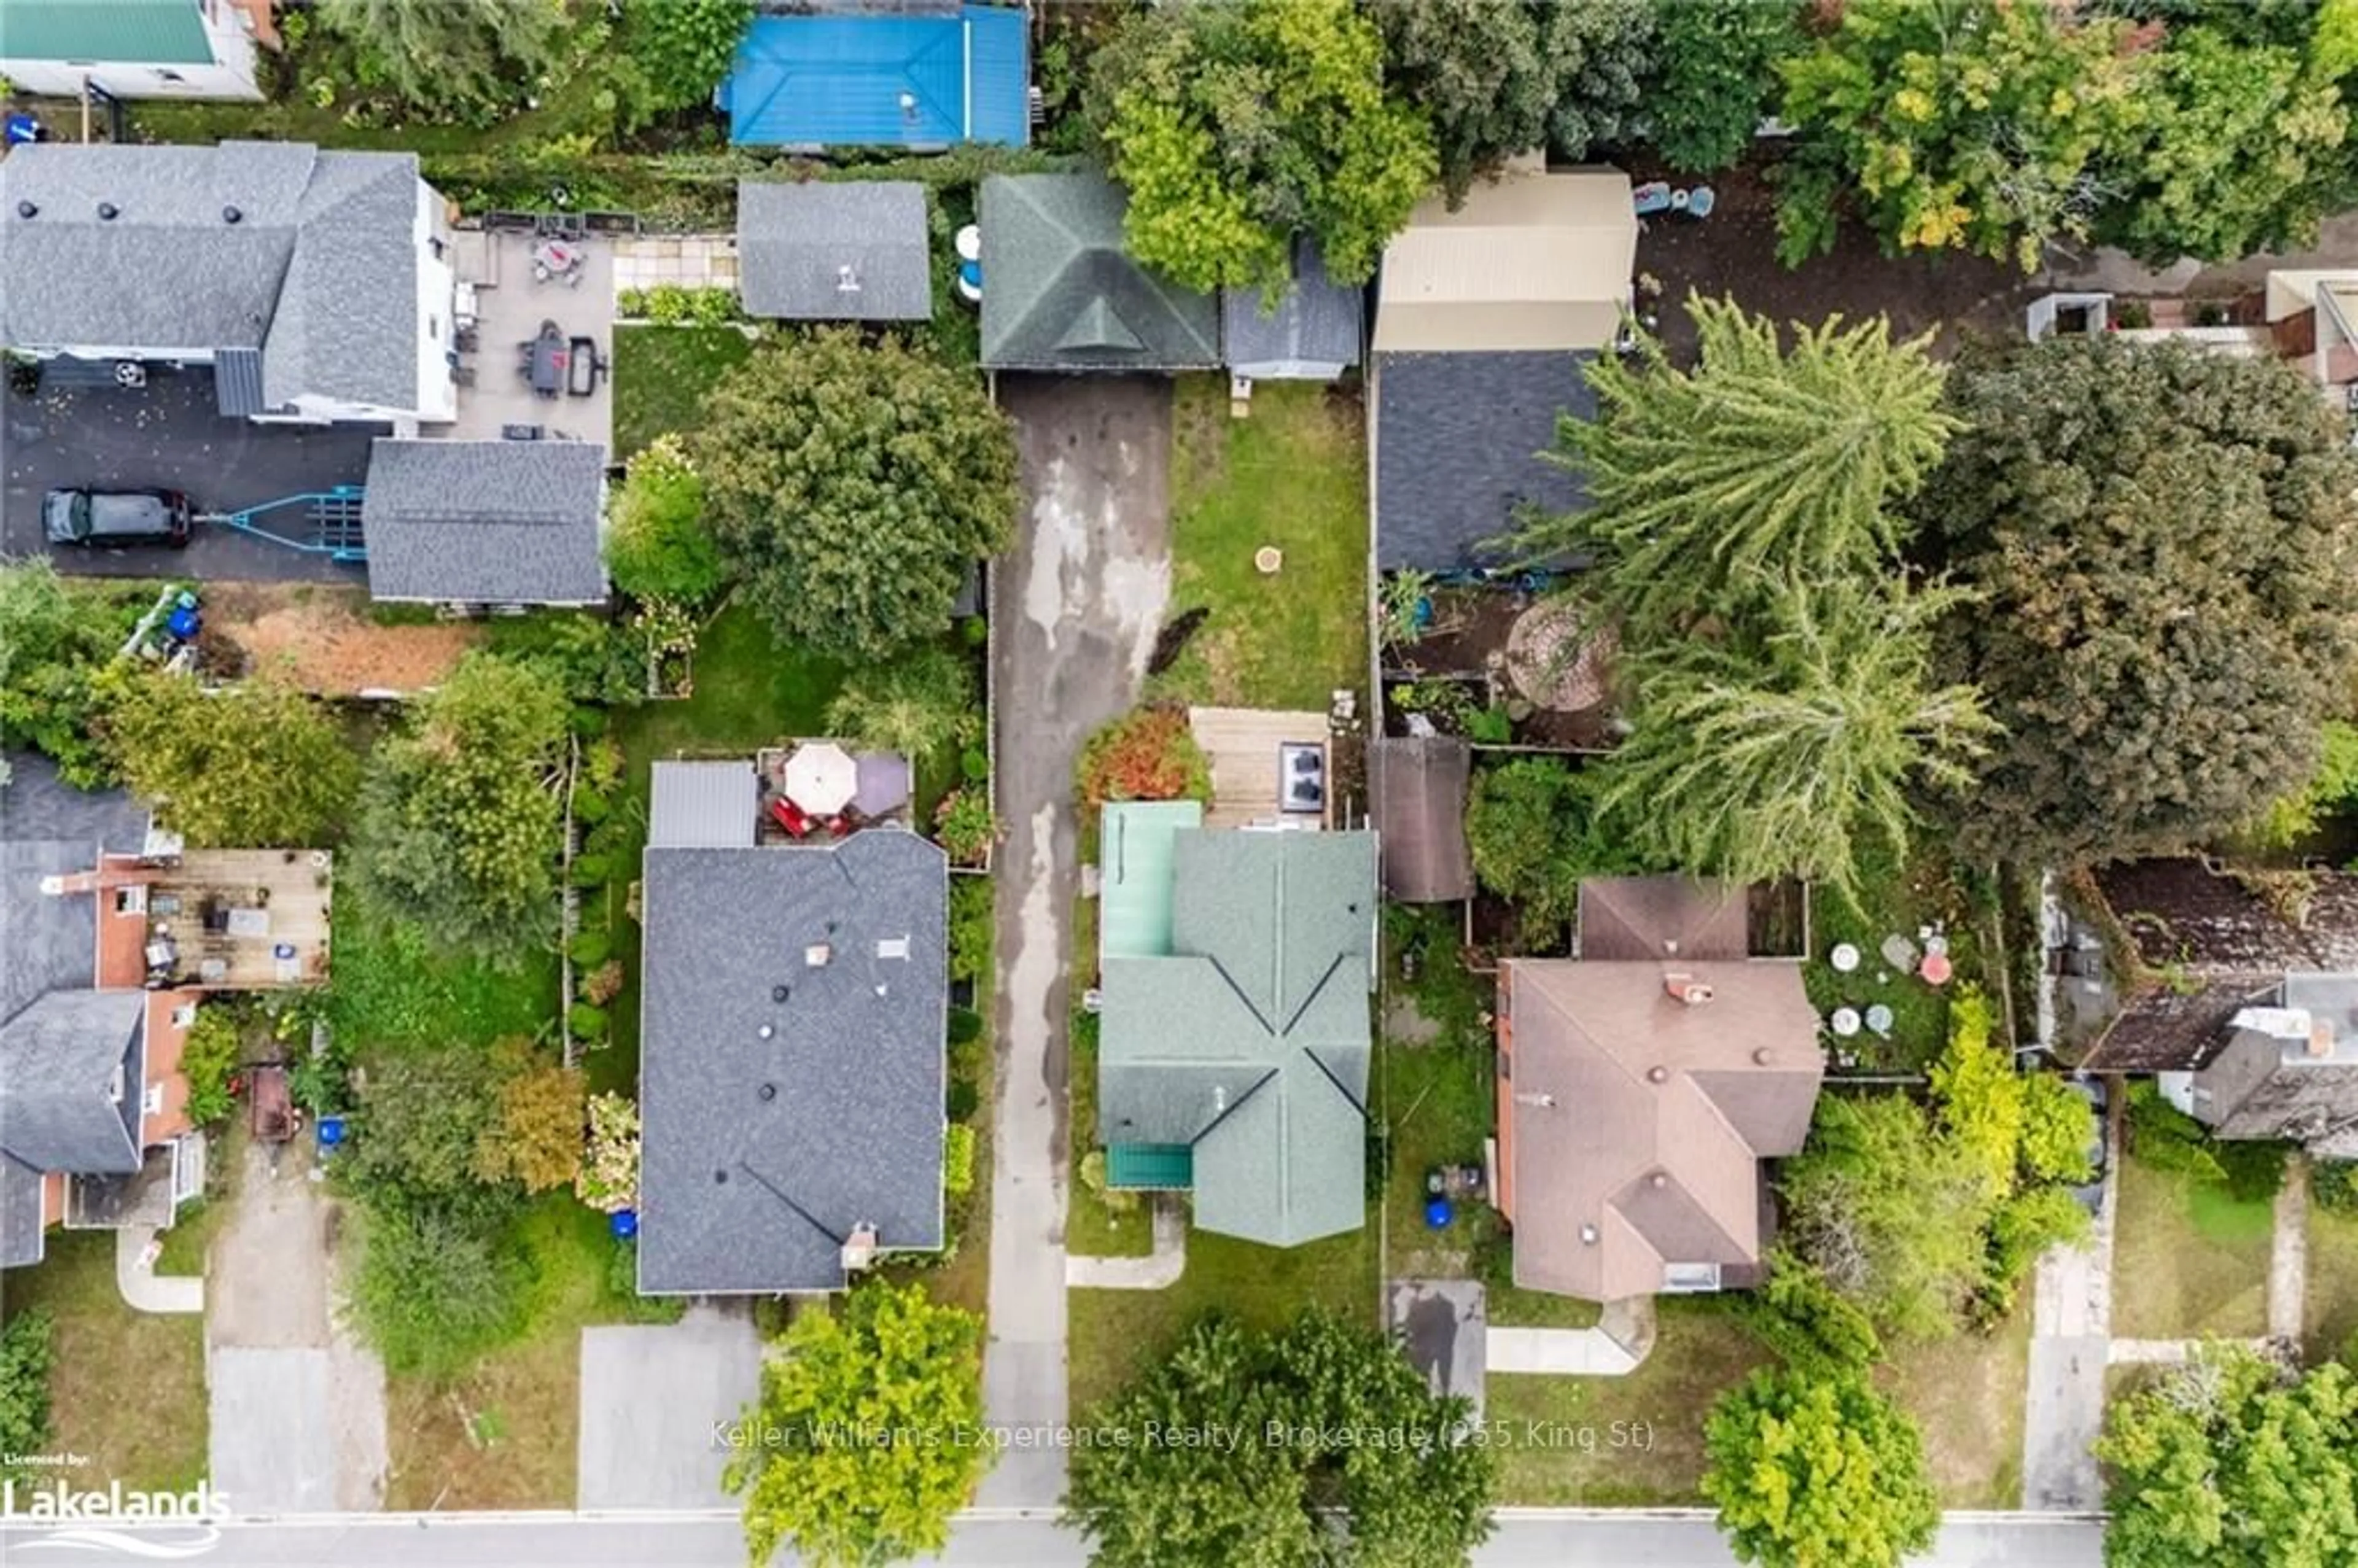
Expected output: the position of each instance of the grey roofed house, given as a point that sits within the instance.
(1417, 788)
(793, 1065)
(1246, 1042)
(65, 1106)
(48, 829)
(2288, 1069)
(834, 251)
(1060, 294)
(486, 522)
(132, 250)
(2226, 948)
(1458, 438)
(1312, 333)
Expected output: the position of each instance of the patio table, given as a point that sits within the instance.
(543, 360)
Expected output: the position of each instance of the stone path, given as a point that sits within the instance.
(2288, 1256)
(142, 1287)
(1158, 1270)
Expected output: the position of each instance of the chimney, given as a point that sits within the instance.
(859, 1247)
(66, 887)
(816, 955)
(1685, 988)
(2320, 1037)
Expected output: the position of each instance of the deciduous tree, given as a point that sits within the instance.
(921, 703)
(469, 61)
(659, 546)
(681, 48)
(1295, 1401)
(2163, 543)
(1534, 829)
(2230, 1461)
(1234, 126)
(1503, 76)
(1810, 1467)
(459, 814)
(54, 638)
(852, 486)
(535, 1136)
(1715, 78)
(257, 764)
(438, 1283)
(25, 1360)
(868, 1432)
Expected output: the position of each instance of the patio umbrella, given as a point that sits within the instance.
(883, 783)
(821, 777)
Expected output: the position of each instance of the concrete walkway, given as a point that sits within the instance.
(1076, 607)
(1616, 1346)
(2071, 1327)
(144, 1289)
(1158, 1270)
(2289, 1256)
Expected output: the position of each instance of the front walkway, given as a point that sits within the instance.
(142, 1287)
(1076, 607)
(1158, 1270)
(1616, 1346)
(2289, 1256)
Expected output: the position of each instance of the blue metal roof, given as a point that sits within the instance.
(851, 80)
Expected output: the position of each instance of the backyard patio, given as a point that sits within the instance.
(539, 315)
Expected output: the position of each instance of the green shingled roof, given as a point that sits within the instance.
(104, 32)
(1249, 1043)
(1058, 292)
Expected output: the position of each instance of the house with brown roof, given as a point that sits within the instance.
(2248, 1014)
(1641, 1085)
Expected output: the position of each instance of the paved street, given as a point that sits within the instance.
(1528, 1538)
(1077, 603)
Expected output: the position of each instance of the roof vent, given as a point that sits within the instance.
(846, 280)
(1760, 1056)
(232, 215)
(1685, 988)
(909, 103)
(27, 209)
(1657, 1180)
(892, 948)
(1658, 1074)
(780, 993)
(816, 955)
(766, 1031)
(108, 211)
(1588, 1235)
(719, 1178)
(768, 1092)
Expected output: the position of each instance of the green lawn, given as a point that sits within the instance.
(1434, 1089)
(1293, 475)
(1902, 900)
(1967, 1394)
(2333, 1309)
(2190, 1260)
(660, 375)
(506, 1434)
(149, 1433)
(1562, 1449)
(1117, 1335)
(390, 988)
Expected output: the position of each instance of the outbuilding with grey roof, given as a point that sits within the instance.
(834, 250)
(486, 522)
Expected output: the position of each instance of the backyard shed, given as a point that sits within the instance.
(491, 522)
(1060, 294)
(834, 251)
(1311, 333)
(915, 76)
(1419, 785)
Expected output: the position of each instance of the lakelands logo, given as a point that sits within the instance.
(78, 1520)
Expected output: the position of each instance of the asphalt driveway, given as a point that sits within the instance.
(168, 434)
(1075, 612)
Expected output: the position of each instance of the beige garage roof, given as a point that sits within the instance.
(1532, 261)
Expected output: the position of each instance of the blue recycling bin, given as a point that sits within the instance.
(23, 130)
(623, 1223)
(1437, 1214)
(331, 1131)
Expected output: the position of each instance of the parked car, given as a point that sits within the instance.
(2091, 1196)
(105, 519)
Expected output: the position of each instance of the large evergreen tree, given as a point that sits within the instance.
(2163, 539)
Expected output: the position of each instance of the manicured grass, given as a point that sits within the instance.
(660, 376)
(1293, 475)
(2332, 1313)
(1967, 1394)
(2188, 1260)
(1560, 1433)
(1900, 899)
(150, 1433)
(1115, 1334)
(748, 693)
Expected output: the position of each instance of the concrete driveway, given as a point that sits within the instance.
(297, 1405)
(651, 1397)
(1075, 612)
(2070, 1344)
(168, 435)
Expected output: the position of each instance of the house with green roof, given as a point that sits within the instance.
(1237, 967)
(1059, 293)
(134, 48)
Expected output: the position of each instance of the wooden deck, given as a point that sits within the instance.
(1242, 743)
(243, 919)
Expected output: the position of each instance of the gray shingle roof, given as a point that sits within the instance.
(1251, 1043)
(21, 1231)
(852, 1132)
(486, 522)
(1313, 334)
(320, 270)
(58, 1060)
(1457, 439)
(1058, 293)
(794, 242)
(47, 828)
